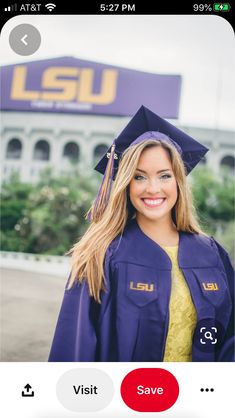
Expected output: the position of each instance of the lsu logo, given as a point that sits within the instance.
(144, 287)
(66, 84)
(210, 286)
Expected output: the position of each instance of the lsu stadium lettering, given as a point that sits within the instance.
(66, 84)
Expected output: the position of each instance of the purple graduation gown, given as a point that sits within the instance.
(131, 323)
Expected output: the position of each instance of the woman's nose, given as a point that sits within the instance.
(153, 186)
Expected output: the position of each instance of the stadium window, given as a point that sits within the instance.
(228, 162)
(99, 151)
(14, 149)
(71, 151)
(41, 150)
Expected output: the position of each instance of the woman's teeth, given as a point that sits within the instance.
(153, 202)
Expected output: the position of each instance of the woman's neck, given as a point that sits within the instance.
(162, 231)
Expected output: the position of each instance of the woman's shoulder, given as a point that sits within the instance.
(113, 246)
(201, 242)
(224, 255)
(203, 239)
(214, 243)
(120, 242)
(219, 248)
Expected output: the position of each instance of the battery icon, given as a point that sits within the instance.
(221, 7)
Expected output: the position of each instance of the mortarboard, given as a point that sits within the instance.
(144, 125)
(146, 121)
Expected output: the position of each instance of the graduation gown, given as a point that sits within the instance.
(131, 323)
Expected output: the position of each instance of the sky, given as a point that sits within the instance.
(199, 48)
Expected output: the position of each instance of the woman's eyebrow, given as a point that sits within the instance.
(160, 171)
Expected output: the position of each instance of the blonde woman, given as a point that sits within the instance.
(146, 283)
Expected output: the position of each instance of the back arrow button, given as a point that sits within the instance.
(23, 39)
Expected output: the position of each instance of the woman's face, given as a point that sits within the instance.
(153, 189)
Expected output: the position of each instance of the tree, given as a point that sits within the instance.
(52, 218)
(214, 201)
(13, 204)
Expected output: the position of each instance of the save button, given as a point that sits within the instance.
(149, 390)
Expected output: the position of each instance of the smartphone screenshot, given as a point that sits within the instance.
(117, 210)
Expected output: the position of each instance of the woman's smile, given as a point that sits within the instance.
(153, 203)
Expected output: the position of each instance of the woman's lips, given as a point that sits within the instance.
(153, 203)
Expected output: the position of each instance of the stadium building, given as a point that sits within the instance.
(63, 110)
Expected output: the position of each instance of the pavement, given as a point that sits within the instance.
(30, 304)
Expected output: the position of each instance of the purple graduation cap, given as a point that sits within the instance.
(144, 125)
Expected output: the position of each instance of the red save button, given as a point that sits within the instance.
(149, 390)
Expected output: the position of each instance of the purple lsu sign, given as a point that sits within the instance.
(71, 85)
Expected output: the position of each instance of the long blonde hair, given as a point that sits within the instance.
(88, 253)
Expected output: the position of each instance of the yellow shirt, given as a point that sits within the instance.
(182, 314)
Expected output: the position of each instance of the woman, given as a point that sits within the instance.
(146, 283)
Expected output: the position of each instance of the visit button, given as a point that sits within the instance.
(149, 390)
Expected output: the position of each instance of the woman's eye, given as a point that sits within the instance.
(165, 177)
(138, 177)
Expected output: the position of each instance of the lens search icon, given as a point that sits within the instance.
(208, 335)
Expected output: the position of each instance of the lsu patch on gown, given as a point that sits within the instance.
(132, 325)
